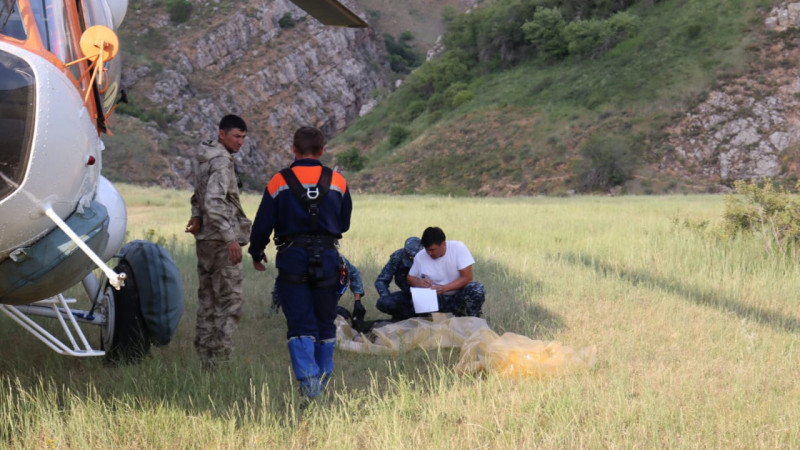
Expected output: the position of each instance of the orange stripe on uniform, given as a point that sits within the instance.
(308, 176)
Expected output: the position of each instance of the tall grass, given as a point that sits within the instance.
(697, 342)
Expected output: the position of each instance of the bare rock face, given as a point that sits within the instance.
(742, 130)
(278, 79)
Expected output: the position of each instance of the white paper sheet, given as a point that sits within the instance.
(424, 300)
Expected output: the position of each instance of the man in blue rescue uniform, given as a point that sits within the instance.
(308, 207)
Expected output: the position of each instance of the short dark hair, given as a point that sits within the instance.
(432, 235)
(232, 121)
(309, 140)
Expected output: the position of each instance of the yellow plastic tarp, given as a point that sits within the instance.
(481, 348)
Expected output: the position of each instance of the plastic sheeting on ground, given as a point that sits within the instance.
(481, 348)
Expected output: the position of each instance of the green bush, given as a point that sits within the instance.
(546, 32)
(179, 10)
(771, 213)
(414, 109)
(402, 56)
(286, 21)
(607, 162)
(398, 134)
(594, 37)
(352, 159)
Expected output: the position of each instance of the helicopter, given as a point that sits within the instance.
(61, 220)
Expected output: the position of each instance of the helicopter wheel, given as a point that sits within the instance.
(124, 336)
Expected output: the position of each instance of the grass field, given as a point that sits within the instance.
(698, 342)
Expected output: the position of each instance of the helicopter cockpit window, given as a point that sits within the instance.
(10, 20)
(55, 29)
(17, 93)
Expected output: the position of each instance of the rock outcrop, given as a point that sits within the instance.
(743, 129)
(242, 61)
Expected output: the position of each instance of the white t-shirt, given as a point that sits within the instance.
(445, 269)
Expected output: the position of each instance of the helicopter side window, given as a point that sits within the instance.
(55, 29)
(17, 95)
(10, 20)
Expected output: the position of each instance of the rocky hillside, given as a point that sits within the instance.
(748, 127)
(522, 131)
(241, 57)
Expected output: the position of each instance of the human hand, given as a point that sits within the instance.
(194, 225)
(426, 282)
(359, 311)
(235, 252)
(259, 266)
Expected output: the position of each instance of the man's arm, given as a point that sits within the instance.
(261, 230)
(354, 277)
(385, 277)
(464, 278)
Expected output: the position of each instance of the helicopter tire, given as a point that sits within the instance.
(130, 341)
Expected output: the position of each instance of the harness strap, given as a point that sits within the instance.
(312, 196)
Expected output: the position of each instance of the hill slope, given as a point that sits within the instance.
(696, 94)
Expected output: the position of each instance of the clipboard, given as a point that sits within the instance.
(424, 300)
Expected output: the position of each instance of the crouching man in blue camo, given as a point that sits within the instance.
(446, 266)
(220, 228)
(397, 304)
(308, 208)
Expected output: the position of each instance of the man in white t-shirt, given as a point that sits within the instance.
(446, 266)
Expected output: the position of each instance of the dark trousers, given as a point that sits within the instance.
(309, 309)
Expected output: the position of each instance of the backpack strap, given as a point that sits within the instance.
(312, 196)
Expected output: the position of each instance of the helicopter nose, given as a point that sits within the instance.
(17, 91)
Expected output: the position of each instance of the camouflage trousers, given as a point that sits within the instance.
(467, 301)
(219, 296)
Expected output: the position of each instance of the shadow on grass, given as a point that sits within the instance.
(258, 382)
(697, 295)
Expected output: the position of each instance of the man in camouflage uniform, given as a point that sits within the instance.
(397, 304)
(221, 229)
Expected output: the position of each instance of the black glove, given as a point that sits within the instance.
(359, 311)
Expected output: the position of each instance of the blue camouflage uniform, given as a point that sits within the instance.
(308, 265)
(352, 279)
(397, 304)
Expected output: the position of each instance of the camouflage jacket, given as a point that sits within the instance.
(216, 196)
(397, 268)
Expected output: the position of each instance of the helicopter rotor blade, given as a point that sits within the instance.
(331, 12)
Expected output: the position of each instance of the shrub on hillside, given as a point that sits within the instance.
(402, 56)
(546, 32)
(286, 21)
(179, 10)
(607, 162)
(770, 212)
(398, 134)
(594, 37)
(352, 159)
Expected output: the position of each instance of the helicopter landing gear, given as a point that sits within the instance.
(124, 335)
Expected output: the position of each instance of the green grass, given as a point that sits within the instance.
(697, 342)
